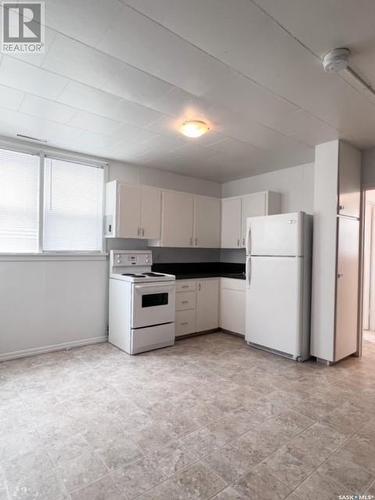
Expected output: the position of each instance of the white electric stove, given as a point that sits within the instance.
(141, 303)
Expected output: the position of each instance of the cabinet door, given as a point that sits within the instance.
(253, 205)
(207, 305)
(232, 309)
(347, 288)
(231, 223)
(151, 213)
(207, 222)
(177, 219)
(349, 180)
(129, 215)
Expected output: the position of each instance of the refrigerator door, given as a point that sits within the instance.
(274, 303)
(280, 234)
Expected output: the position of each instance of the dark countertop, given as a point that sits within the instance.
(198, 270)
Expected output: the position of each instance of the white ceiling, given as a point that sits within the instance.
(118, 77)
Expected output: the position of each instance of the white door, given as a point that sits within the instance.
(349, 180)
(207, 222)
(129, 211)
(231, 223)
(232, 310)
(177, 219)
(275, 235)
(151, 213)
(253, 205)
(347, 288)
(207, 305)
(273, 303)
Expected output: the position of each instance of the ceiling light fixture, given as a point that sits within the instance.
(194, 128)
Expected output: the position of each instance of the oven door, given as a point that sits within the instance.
(153, 304)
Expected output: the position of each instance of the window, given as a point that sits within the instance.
(19, 202)
(70, 194)
(73, 207)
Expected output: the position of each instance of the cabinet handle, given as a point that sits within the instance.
(143, 231)
(199, 286)
(191, 241)
(184, 302)
(184, 323)
(196, 241)
(340, 275)
(139, 231)
(243, 242)
(185, 286)
(341, 207)
(238, 242)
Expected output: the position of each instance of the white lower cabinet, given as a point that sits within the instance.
(232, 305)
(197, 305)
(207, 304)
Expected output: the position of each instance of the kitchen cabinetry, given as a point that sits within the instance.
(132, 211)
(189, 221)
(231, 223)
(207, 222)
(236, 210)
(335, 305)
(207, 304)
(177, 219)
(232, 305)
(197, 305)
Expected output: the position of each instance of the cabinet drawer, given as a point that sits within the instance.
(186, 285)
(185, 300)
(185, 322)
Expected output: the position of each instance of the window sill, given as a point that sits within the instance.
(63, 256)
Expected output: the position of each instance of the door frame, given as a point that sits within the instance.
(364, 190)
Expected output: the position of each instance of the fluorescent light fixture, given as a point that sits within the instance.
(194, 128)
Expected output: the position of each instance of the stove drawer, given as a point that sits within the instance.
(152, 337)
(185, 300)
(185, 322)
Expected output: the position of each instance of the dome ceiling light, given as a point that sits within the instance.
(194, 128)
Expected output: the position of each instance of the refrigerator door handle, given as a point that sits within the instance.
(248, 241)
(248, 272)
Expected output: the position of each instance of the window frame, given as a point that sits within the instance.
(42, 254)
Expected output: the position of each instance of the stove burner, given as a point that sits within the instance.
(134, 275)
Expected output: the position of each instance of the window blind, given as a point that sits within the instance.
(19, 202)
(73, 206)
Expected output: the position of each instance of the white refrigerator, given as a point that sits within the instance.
(278, 283)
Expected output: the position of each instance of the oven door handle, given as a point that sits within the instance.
(162, 287)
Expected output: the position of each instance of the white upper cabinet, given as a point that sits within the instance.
(151, 213)
(236, 210)
(349, 176)
(231, 223)
(177, 219)
(207, 222)
(132, 211)
(129, 211)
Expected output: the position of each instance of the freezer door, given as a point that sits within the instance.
(280, 234)
(274, 303)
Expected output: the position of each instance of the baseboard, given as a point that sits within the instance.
(50, 348)
(235, 334)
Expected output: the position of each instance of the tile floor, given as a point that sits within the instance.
(207, 418)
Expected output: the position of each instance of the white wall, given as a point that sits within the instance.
(47, 303)
(296, 184)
